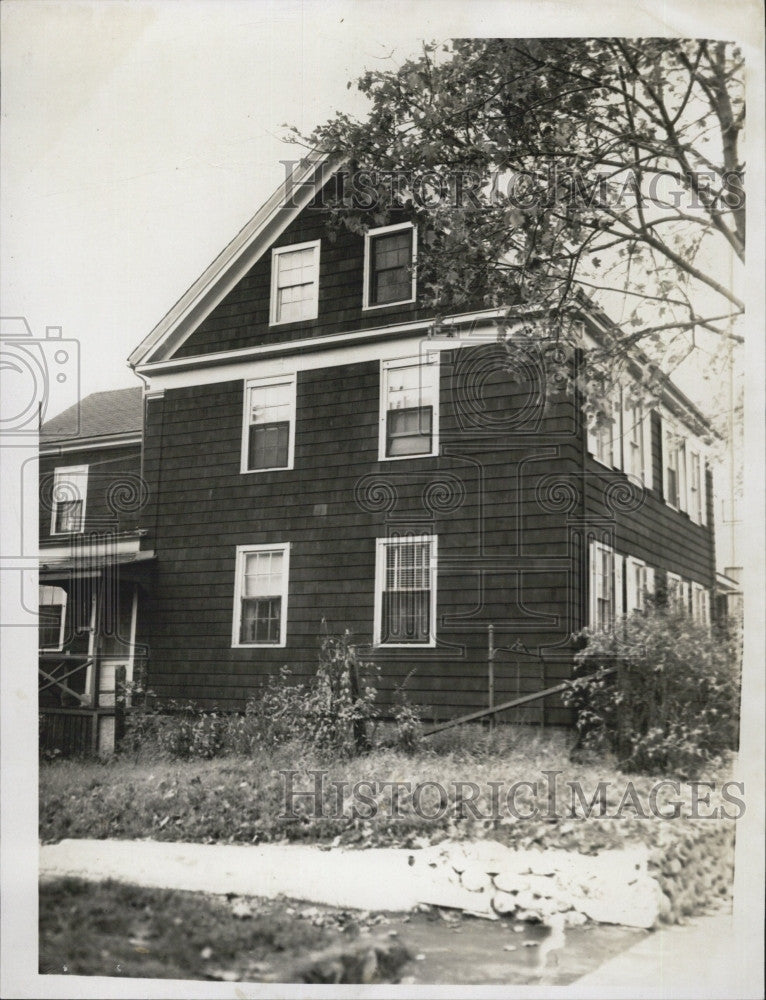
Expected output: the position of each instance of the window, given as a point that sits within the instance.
(389, 265)
(405, 591)
(639, 581)
(604, 432)
(52, 616)
(606, 589)
(637, 441)
(676, 591)
(70, 488)
(409, 411)
(295, 283)
(674, 466)
(697, 490)
(700, 604)
(260, 600)
(268, 437)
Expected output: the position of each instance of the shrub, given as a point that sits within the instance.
(673, 704)
(331, 712)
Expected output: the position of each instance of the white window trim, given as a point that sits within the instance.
(62, 474)
(369, 236)
(645, 425)
(241, 552)
(631, 594)
(595, 550)
(698, 590)
(275, 254)
(62, 625)
(380, 571)
(253, 383)
(682, 592)
(615, 400)
(695, 449)
(385, 368)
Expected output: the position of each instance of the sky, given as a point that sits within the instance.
(139, 137)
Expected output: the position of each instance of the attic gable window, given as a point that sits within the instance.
(295, 283)
(269, 424)
(409, 411)
(70, 487)
(389, 265)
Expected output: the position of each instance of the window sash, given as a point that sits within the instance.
(406, 582)
(409, 431)
(70, 490)
(261, 595)
(295, 284)
(269, 424)
(391, 268)
(68, 516)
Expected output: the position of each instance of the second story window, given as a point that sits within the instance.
(389, 265)
(70, 488)
(294, 283)
(674, 467)
(269, 429)
(409, 408)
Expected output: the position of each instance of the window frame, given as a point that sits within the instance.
(241, 552)
(699, 591)
(597, 549)
(595, 433)
(60, 475)
(633, 593)
(278, 252)
(381, 545)
(432, 362)
(369, 237)
(257, 383)
(62, 622)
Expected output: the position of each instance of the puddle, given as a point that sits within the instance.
(470, 950)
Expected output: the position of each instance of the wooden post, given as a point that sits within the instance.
(120, 676)
(491, 672)
(95, 673)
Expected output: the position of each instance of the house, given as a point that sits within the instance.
(315, 450)
(94, 577)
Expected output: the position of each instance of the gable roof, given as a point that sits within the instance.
(230, 266)
(102, 414)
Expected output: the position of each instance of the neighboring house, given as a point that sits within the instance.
(316, 451)
(94, 578)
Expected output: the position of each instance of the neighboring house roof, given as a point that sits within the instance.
(113, 413)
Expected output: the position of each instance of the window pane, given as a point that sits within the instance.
(260, 620)
(408, 432)
(296, 285)
(406, 605)
(269, 446)
(69, 515)
(390, 274)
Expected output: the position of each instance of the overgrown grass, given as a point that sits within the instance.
(111, 929)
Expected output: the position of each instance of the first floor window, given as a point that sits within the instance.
(269, 423)
(261, 595)
(700, 604)
(602, 586)
(639, 581)
(405, 590)
(70, 487)
(676, 593)
(52, 616)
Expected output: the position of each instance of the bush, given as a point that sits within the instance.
(672, 706)
(331, 712)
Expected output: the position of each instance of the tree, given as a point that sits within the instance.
(542, 169)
